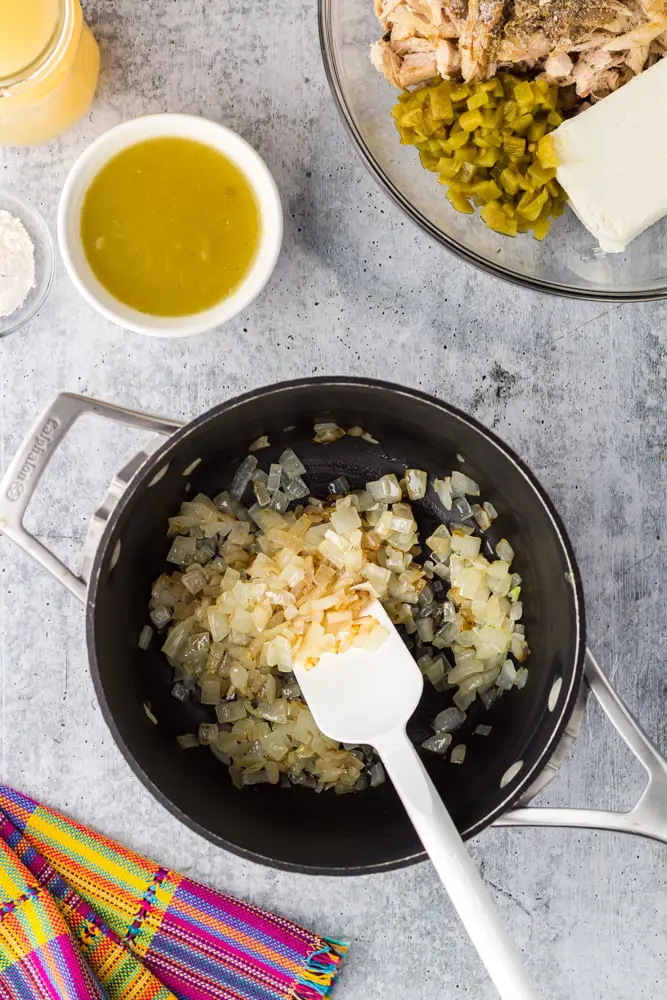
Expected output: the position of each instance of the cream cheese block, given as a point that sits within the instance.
(613, 160)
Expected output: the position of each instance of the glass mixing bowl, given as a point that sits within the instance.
(568, 261)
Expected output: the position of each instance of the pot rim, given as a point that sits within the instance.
(559, 720)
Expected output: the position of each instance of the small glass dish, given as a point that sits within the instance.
(45, 262)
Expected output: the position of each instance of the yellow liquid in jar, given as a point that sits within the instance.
(49, 65)
(170, 227)
(26, 28)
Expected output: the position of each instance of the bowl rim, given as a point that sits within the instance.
(325, 8)
(517, 791)
(27, 312)
(129, 133)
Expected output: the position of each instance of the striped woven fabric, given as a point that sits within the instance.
(82, 918)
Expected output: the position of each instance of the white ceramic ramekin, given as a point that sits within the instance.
(186, 127)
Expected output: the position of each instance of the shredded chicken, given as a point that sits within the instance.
(639, 38)
(410, 46)
(591, 67)
(558, 66)
(480, 37)
(429, 9)
(593, 45)
(448, 59)
(387, 62)
(406, 24)
(528, 52)
(456, 11)
(418, 67)
(385, 8)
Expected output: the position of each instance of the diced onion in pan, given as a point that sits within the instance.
(145, 637)
(256, 591)
(259, 443)
(415, 482)
(463, 485)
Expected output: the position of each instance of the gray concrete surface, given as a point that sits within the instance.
(577, 388)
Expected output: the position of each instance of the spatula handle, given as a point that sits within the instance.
(456, 868)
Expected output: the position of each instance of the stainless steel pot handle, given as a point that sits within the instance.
(648, 818)
(42, 440)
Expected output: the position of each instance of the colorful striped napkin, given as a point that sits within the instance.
(82, 918)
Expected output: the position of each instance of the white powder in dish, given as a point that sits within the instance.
(17, 263)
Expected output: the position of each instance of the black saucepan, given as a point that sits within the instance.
(295, 828)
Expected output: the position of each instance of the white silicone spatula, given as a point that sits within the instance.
(359, 697)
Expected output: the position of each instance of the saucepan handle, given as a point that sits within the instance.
(39, 446)
(648, 818)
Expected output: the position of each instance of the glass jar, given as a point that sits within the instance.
(49, 65)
